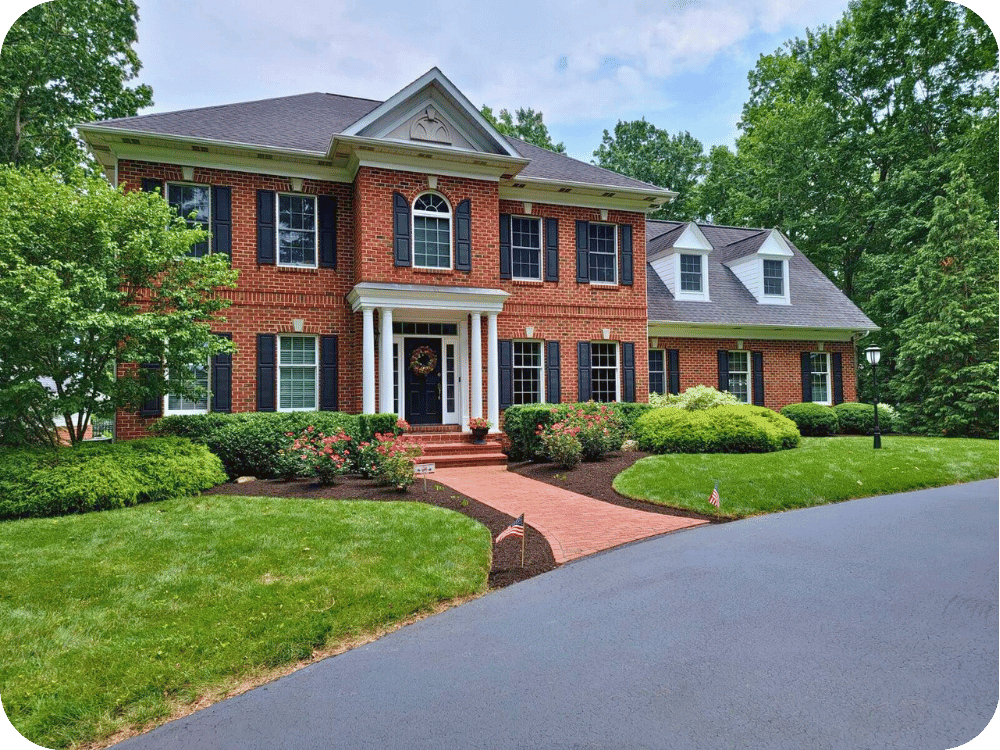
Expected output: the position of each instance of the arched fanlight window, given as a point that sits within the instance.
(431, 231)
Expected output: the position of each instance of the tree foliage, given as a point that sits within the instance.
(64, 62)
(528, 126)
(91, 276)
(641, 150)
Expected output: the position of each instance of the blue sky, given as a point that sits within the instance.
(681, 64)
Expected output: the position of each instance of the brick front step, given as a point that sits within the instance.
(457, 449)
(467, 459)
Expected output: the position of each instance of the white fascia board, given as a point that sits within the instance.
(675, 329)
(426, 297)
(577, 199)
(660, 194)
(85, 130)
(508, 164)
(432, 76)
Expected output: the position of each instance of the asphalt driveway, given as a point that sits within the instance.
(871, 623)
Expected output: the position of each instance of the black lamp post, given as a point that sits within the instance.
(874, 354)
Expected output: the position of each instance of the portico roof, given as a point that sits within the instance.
(426, 297)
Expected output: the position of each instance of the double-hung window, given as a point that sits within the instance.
(526, 248)
(604, 371)
(819, 363)
(527, 372)
(297, 235)
(657, 371)
(739, 376)
(194, 203)
(774, 277)
(691, 273)
(603, 253)
(298, 382)
(431, 232)
(177, 404)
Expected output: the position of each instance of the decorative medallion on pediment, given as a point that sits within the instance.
(430, 127)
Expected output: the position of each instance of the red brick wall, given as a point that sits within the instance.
(698, 363)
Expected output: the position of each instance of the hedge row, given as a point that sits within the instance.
(721, 429)
(521, 423)
(251, 443)
(39, 482)
(848, 418)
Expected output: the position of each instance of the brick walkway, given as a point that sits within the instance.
(574, 525)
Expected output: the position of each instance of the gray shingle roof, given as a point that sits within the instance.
(816, 301)
(307, 122)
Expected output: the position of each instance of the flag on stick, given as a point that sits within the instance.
(515, 529)
(714, 498)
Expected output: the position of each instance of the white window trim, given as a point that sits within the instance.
(614, 236)
(775, 299)
(618, 369)
(414, 213)
(541, 366)
(685, 295)
(277, 230)
(167, 411)
(666, 368)
(277, 374)
(829, 378)
(541, 248)
(748, 372)
(211, 206)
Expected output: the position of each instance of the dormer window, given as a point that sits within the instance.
(691, 273)
(431, 231)
(774, 277)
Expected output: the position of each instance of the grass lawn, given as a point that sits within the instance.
(820, 470)
(116, 619)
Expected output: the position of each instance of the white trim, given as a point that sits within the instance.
(748, 372)
(685, 330)
(541, 367)
(414, 213)
(167, 411)
(278, 366)
(541, 247)
(618, 369)
(211, 206)
(666, 368)
(829, 378)
(617, 253)
(425, 297)
(277, 229)
(583, 195)
(409, 163)
(682, 295)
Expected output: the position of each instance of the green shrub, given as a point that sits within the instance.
(859, 419)
(694, 399)
(522, 424)
(370, 425)
(43, 482)
(723, 429)
(561, 445)
(814, 420)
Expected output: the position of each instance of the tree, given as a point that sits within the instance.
(89, 277)
(528, 127)
(641, 150)
(64, 62)
(948, 364)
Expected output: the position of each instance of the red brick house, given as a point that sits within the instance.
(403, 256)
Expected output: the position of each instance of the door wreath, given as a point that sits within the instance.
(423, 361)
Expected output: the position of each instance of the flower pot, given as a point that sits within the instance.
(479, 435)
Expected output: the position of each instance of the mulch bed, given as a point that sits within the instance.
(506, 556)
(594, 479)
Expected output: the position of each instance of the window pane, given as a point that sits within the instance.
(691, 273)
(603, 258)
(525, 246)
(298, 388)
(774, 277)
(431, 242)
(527, 372)
(298, 350)
(449, 364)
(820, 376)
(604, 371)
(188, 200)
(431, 202)
(180, 403)
(297, 230)
(657, 371)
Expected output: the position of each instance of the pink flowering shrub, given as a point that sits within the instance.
(561, 443)
(326, 455)
(392, 460)
(585, 432)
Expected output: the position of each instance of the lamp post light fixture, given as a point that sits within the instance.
(873, 354)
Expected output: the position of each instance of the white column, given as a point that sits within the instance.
(368, 360)
(385, 394)
(463, 373)
(476, 358)
(492, 374)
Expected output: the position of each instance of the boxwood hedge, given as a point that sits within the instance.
(38, 482)
(859, 419)
(721, 429)
(521, 423)
(814, 420)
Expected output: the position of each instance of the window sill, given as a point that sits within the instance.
(528, 282)
(605, 284)
(298, 269)
(420, 269)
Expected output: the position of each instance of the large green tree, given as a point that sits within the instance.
(526, 124)
(641, 150)
(64, 62)
(91, 276)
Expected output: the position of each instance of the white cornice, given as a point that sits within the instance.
(674, 329)
(592, 199)
(426, 297)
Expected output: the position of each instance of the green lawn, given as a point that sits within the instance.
(820, 470)
(114, 619)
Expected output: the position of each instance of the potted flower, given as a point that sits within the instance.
(479, 426)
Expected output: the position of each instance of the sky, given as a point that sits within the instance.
(681, 64)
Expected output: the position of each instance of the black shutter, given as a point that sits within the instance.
(401, 229)
(154, 406)
(838, 377)
(553, 388)
(505, 246)
(266, 255)
(626, 253)
(583, 367)
(328, 373)
(151, 185)
(267, 371)
(222, 220)
(463, 236)
(326, 213)
(723, 370)
(506, 356)
(582, 252)
(552, 249)
(673, 362)
(807, 389)
(628, 371)
(222, 379)
(757, 365)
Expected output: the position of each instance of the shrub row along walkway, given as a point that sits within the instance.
(573, 524)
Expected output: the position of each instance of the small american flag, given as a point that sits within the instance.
(515, 529)
(714, 497)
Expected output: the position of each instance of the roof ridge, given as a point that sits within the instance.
(756, 233)
(347, 96)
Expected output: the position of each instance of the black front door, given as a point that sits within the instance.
(423, 392)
